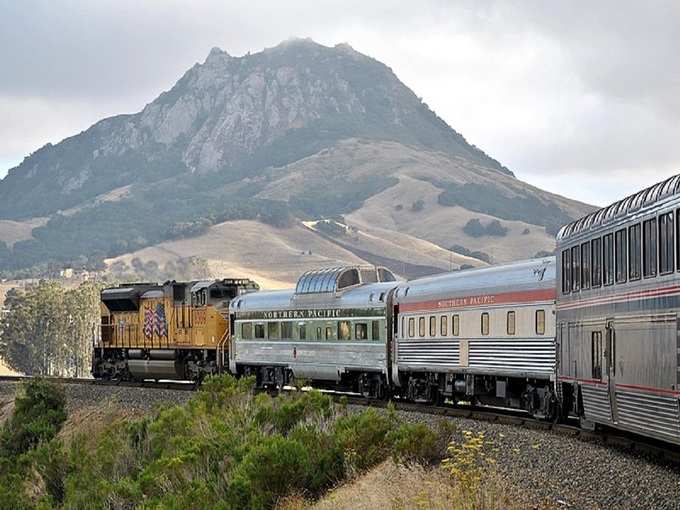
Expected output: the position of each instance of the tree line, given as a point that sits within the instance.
(46, 329)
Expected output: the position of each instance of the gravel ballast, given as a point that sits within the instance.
(135, 399)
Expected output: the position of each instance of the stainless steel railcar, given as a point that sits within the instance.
(617, 314)
(486, 335)
(332, 330)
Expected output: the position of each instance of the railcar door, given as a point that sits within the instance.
(563, 358)
(610, 361)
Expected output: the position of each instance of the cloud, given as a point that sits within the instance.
(558, 92)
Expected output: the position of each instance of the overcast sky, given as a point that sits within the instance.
(580, 98)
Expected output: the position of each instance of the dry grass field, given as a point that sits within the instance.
(14, 231)
(399, 487)
(273, 257)
(390, 211)
(5, 370)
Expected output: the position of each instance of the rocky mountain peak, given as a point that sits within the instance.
(216, 55)
(233, 116)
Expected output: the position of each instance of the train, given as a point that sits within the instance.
(177, 330)
(591, 333)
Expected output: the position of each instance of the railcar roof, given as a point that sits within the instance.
(523, 275)
(364, 296)
(334, 279)
(636, 202)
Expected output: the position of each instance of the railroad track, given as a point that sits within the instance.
(611, 437)
(167, 385)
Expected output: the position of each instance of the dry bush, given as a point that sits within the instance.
(399, 487)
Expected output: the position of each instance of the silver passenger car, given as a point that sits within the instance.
(332, 329)
(617, 312)
(486, 335)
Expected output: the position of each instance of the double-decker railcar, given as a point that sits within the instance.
(483, 335)
(617, 314)
(331, 330)
(177, 330)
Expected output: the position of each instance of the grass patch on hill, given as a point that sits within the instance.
(228, 448)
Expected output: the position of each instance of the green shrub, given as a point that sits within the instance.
(226, 449)
(325, 458)
(362, 438)
(414, 443)
(271, 469)
(39, 412)
(286, 411)
(51, 463)
(474, 228)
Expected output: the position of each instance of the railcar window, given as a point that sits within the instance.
(344, 330)
(259, 330)
(634, 252)
(247, 331)
(649, 248)
(666, 243)
(608, 259)
(303, 330)
(411, 327)
(444, 326)
(433, 326)
(540, 322)
(375, 330)
(621, 245)
(287, 330)
(566, 271)
(319, 333)
(273, 331)
(511, 323)
(455, 325)
(485, 323)
(361, 331)
(575, 268)
(596, 253)
(596, 354)
(585, 265)
(421, 326)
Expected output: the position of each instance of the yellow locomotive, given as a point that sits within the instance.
(178, 330)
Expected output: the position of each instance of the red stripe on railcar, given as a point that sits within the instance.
(526, 296)
(661, 391)
(598, 382)
(648, 389)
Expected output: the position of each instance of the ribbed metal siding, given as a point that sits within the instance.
(502, 355)
(526, 355)
(596, 403)
(429, 353)
(648, 413)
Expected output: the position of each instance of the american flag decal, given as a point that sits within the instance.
(160, 324)
(155, 322)
(148, 322)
